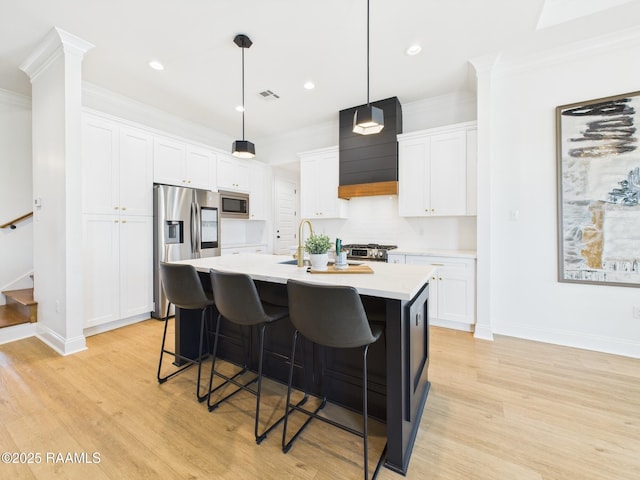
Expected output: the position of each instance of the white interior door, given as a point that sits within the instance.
(286, 215)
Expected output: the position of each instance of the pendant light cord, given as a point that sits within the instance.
(242, 92)
(367, 53)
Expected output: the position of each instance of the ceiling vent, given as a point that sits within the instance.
(268, 95)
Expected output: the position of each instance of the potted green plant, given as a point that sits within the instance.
(317, 247)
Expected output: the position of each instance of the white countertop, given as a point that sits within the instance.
(394, 281)
(434, 252)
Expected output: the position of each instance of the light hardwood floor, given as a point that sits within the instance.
(509, 409)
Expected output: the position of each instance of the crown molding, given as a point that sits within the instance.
(54, 44)
(8, 97)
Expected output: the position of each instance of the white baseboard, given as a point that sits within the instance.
(17, 332)
(596, 343)
(437, 322)
(483, 332)
(105, 327)
(64, 346)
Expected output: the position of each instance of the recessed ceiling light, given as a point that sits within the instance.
(414, 50)
(239, 108)
(309, 85)
(156, 65)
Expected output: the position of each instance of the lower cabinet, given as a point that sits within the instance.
(118, 267)
(452, 296)
(262, 249)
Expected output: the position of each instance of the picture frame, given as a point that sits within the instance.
(598, 184)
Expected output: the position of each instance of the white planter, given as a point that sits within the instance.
(319, 261)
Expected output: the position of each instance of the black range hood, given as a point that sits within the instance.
(369, 163)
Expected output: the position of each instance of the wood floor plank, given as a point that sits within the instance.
(509, 409)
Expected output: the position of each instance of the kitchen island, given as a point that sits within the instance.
(394, 294)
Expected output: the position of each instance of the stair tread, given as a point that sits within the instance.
(23, 296)
(10, 317)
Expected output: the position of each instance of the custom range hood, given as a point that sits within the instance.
(369, 163)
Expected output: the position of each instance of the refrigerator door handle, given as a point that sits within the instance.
(193, 230)
(198, 228)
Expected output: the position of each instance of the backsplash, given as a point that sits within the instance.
(376, 220)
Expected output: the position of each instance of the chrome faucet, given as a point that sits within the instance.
(300, 247)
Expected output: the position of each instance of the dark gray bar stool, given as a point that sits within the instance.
(183, 289)
(330, 316)
(237, 301)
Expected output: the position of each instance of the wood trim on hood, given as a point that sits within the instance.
(367, 189)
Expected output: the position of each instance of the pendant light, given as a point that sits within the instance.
(243, 148)
(368, 120)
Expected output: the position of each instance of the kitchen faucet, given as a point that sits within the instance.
(300, 247)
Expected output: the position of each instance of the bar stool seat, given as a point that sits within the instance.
(237, 301)
(184, 290)
(334, 317)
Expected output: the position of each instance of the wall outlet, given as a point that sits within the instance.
(636, 311)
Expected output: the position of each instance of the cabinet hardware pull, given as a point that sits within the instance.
(115, 208)
(433, 278)
(124, 208)
(439, 278)
(438, 264)
(124, 221)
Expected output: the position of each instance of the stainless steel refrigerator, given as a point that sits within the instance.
(186, 224)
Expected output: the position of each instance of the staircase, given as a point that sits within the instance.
(20, 308)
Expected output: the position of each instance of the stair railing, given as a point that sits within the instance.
(12, 223)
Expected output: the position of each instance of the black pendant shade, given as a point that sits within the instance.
(243, 148)
(368, 120)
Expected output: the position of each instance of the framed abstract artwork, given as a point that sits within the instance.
(599, 191)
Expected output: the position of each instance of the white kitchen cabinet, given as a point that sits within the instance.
(319, 179)
(259, 181)
(451, 289)
(118, 267)
(117, 168)
(260, 249)
(436, 172)
(233, 173)
(396, 258)
(183, 164)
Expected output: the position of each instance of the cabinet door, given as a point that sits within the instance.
(448, 173)
(413, 168)
(99, 166)
(308, 189)
(169, 157)
(136, 172)
(200, 168)
(233, 174)
(319, 179)
(472, 172)
(136, 266)
(455, 296)
(101, 268)
(259, 176)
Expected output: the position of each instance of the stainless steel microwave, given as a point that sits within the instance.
(234, 204)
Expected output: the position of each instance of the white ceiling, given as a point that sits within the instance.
(294, 41)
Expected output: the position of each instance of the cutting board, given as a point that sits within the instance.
(349, 269)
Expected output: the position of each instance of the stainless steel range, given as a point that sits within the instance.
(369, 251)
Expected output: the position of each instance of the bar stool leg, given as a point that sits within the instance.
(365, 412)
(201, 398)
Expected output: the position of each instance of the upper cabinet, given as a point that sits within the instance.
(233, 173)
(437, 171)
(319, 178)
(117, 168)
(259, 182)
(182, 164)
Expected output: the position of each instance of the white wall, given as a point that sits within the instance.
(16, 246)
(527, 299)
